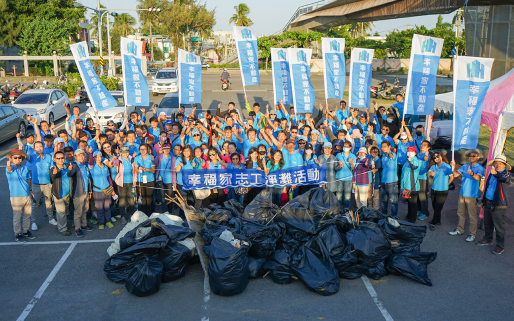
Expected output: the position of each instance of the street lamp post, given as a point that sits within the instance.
(151, 38)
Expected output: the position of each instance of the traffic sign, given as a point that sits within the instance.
(102, 61)
(454, 51)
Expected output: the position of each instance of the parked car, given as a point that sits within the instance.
(165, 81)
(205, 65)
(43, 104)
(12, 121)
(169, 103)
(115, 113)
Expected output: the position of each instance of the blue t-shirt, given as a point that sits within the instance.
(232, 166)
(411, 182)
(99, 176)
(310, 160)
(441, 178)
(133, 149)
(146, 163)
(400, 107)
(491, 188)
(154, 132)
(65, 182)
(48, 150)
(165, 169)
(401, 151)
(187, 165)
(17, 179)
(389, 169)
(342, 114)
(470, 186)
(346, 171)
(247, 145)
(423, 168)
(127, 171)
(114, 169)
(381, 138)
(40, 168)
(84, 172)
(293, 160)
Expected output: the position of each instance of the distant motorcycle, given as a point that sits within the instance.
(224, 85)
(389, 92)
(14, 93)
(81, 95)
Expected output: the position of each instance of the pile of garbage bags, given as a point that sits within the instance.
(150, 251)
(309, 239)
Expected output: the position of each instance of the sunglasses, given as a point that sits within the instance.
(110, 124)
(59, 158)
(195, 135)
(212, 154)
(472, 156)
(436, 157)
(17, 157)
(302, 143)
(294, 132)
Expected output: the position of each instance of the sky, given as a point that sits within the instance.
(270, 16)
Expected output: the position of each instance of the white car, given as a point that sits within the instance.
(115, 114)
(165, 81)
(43, 104)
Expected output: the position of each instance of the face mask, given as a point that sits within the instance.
(308, 151)
(419, 133)
(346, 149)
(389, 120)
(411, 154)
(205, 151)
(262, 153)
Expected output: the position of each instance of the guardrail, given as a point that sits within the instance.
(306, 9)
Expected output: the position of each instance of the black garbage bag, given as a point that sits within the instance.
(411, 264)
(295, 215)
(220, 215)
(371, 246)
(157, 228)
(228, 267)
(352, 271)
(175, 259)
(212, 230)
(261, 208)
(322, 201)
(376, 272)
(234, 207)
(263, 237)
(256, 267)
(214, 206)
(313, 266)
(145, 277)
(409, 235)
(117, 270)
(279, 265)
(335, 245)
(148, 247)
(370, 214)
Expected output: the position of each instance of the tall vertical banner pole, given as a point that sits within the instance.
(334, 67)
(247, 54)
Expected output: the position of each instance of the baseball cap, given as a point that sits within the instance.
(411, 149)
(110, 122)
(58, 140)
(166, 146)
(168, 123)
(97, 153)
(315, 131)
(403, 135)
(201, 115)
(29, 134)
(79, 151)
(301, 137)
(290, 141)
(363, 150)
(327, 145)
(162, 113)
(78, 120)
(272, 112)
(125, 149)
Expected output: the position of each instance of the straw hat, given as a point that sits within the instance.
(500, 158)
(16, 152)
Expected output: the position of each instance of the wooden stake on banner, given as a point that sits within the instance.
(455, 76)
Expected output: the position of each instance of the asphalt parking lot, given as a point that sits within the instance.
(61, 278)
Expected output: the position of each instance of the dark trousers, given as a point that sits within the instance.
(412, 213)
(217, 197)
(389, 195)
(438, 199)
(126, 201)
(276, 194)
(304, 189)
(422, 197)
(103, 207)
(253, 192)
(167, 189)
(494, 220)
(146, 192)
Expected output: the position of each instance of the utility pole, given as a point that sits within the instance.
(99, 31)
(457, 25)
(151, 41)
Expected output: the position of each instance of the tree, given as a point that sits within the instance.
(42, 37)
(240, 18)
(124, 24)
(358, 29)
(15, 14)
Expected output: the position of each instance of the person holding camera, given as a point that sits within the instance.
(495, 203)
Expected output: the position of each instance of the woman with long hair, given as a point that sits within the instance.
(253, 163)
(110, 155)
(184, 162)
(442, 177)
(276, 163)
(125, 179)
(217, 195)
(237, 193)
(145, 178)
(99, 174)
(308, 159)
(410, 183)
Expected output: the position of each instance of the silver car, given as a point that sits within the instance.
(12, 121)
(43, 104)
(115, 114)
(165, 81)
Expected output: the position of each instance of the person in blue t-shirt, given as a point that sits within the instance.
(423, 154)
(145, 168)
(442, 177)
(99, 176)
(472, 173)
(347, 161)
(18, 178)
(389, 184)
(342, 113)
(399, 104)
(60, 191)
(293, 159)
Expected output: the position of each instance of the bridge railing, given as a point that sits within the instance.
(306, 9)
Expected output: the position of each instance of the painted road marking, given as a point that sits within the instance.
(58, 242)
(47, 282)
(373, 294)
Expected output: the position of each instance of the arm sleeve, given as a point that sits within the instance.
(248, 108)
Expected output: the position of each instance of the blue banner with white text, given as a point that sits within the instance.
(246, 41)
(334, 67)
(134, 82)
(231, 178)
(281, 76)
(190, 78)
(303, 92)
(360, 77)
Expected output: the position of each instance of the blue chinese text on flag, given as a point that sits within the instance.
(246, 44)
(281, 76)
(190, 78)
(300, 69)
(334, 67)
(421, 81)
(99, 96)
(471, 80)
(135, 85)
(360, 77)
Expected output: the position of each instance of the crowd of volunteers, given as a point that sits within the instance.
(98, 176)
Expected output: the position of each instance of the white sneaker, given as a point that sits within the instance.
(95, 215)
(113, 219)
(34, 227)
(470, 238)
(456, 232)
(53, 222)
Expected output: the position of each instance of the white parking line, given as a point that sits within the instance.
(373, 294)
(58, 242)
(45, 284)
(206, 296)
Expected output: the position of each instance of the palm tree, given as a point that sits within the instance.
(93, 25)
(240, 18)
(124, 24)
(359, 29)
